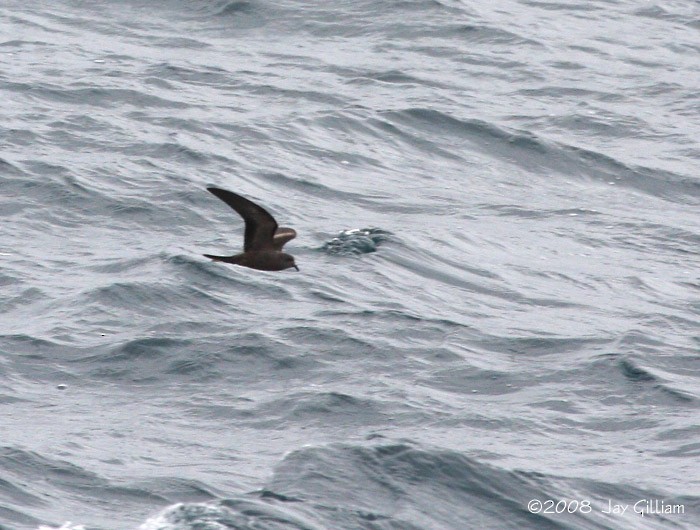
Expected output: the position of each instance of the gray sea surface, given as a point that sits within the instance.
(498, 209)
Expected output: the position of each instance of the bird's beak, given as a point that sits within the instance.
(297, 268)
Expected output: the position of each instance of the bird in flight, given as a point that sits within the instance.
(263, 241)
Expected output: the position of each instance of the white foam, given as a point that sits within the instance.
(65, 526)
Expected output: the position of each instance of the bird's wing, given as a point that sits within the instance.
(282, 236)
(260, 226)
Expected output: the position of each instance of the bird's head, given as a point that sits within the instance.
(288, 262)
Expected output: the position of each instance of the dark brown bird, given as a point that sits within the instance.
(262, 247)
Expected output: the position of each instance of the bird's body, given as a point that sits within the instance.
(263, 260)
(262, 249)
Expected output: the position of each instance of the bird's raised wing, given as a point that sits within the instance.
(260, 226)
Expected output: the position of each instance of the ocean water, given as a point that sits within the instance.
(498, 209)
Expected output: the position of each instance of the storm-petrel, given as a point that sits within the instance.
(262, 248)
